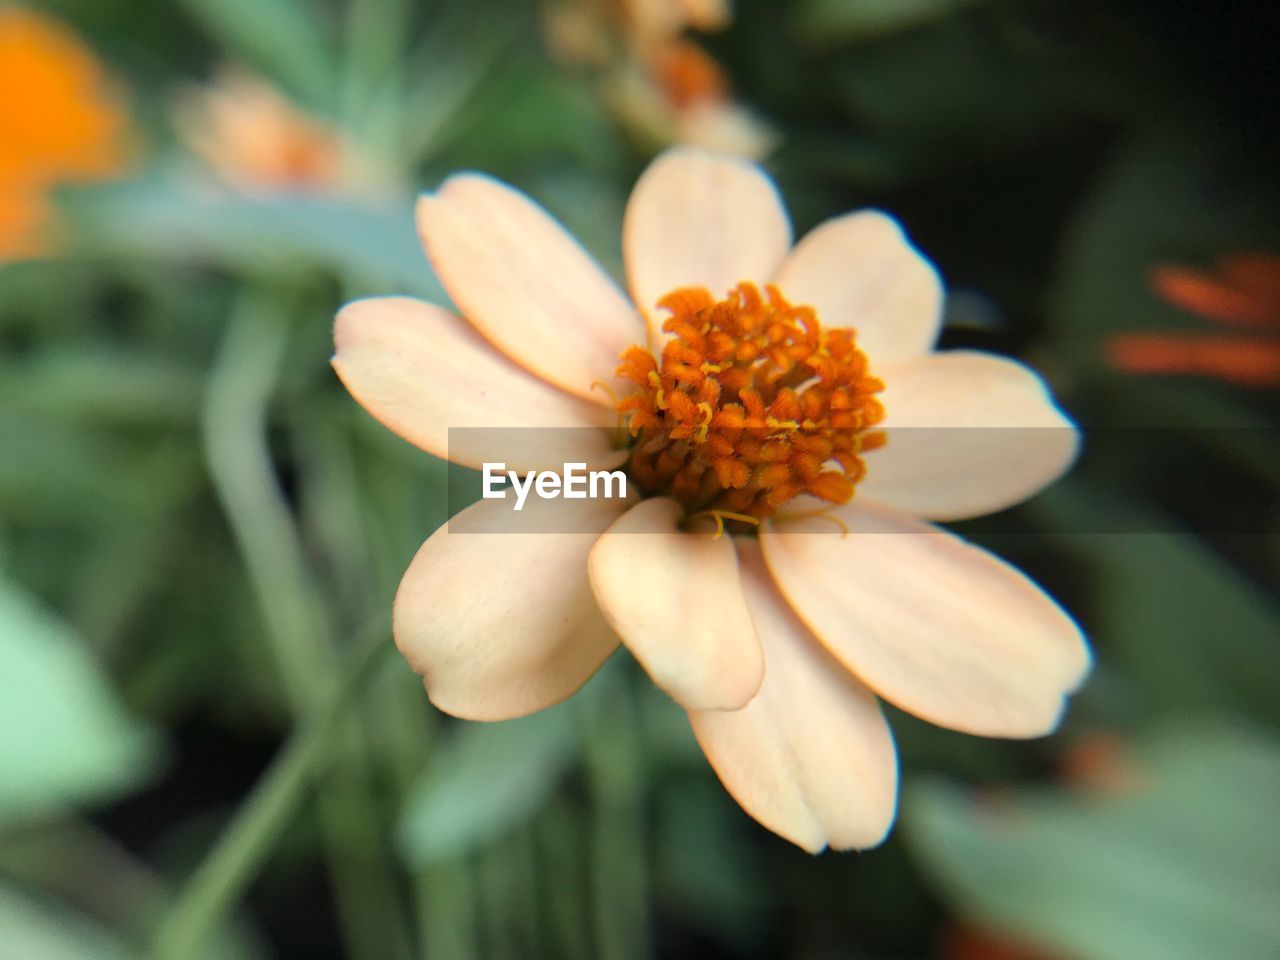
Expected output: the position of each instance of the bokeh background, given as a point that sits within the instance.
(208, 747)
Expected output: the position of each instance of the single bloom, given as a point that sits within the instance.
(663, 87)
(256, 140)
(1242, 293)
(785, 395)
(62, 120)
(673, 91)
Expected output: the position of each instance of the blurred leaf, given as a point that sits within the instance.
(1183, 867)
(64, 738)
(280, 38)
(1182, 626)
(997, 95)
(44, 930)
(168, 220)
(130, 385)
(707, 871)
(525, 115)
(485, 779)
(829, 23)
(62, 470)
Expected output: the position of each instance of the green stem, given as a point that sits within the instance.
(229, 867)
(301, 636)
(615, 773)
(372, 95)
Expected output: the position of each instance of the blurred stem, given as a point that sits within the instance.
(372, 89)
(564, 890)
(438, 103)
(235, 428)
(235, 433)
(451, 928)
(396, 711)
(74, 861)
(261, 820)
(615, 771)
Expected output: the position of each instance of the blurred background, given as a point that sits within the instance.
(208, 747)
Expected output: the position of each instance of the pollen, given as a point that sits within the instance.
(751, 404)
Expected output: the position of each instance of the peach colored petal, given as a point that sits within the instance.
(675, 599)
(653, 20)
(859, 270)
(420, 370)
(698, 220)
(934, 625)
(501, 624)
(526, 284)
(969, 434)
(811, 757)
(725, 127)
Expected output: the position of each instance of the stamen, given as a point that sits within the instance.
(720, 516)
(609, 392)
(751, 404)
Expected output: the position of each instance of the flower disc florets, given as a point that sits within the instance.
(753, 404)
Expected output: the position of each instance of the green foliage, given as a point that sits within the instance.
(1174, 622)
(122, 386)
(37, 929)
(487, 779)
(272, 237)
(1181, 866)
(64, 738)
(284, 39)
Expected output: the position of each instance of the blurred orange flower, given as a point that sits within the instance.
(1243, 292)
(62, 120)
(662, 86)
(255, 139)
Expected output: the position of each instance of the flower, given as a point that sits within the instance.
(662, 86)
(759, 382)
(254, 139)
(1243, 292)
(675, 92)
(61, 121)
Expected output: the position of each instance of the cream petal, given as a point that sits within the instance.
(675, 599)
(859, 270)
(934, 625)
(527, 284)
(698, 220)
(969, 434)
(421, 371)
(501, 624)
(811, 757)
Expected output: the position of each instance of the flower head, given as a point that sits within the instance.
(61, 121)
(255, 139)
(787, 396)
(664, 87)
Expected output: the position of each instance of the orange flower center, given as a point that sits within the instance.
(752, 404)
